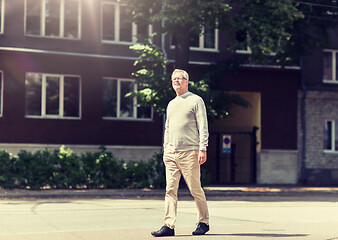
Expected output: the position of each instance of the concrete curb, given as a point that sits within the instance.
(211, 192)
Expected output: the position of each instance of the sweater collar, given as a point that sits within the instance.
(184, 95)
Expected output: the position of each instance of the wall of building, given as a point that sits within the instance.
(321, 167)
(127, 153)
(91, 128)
(277, 167)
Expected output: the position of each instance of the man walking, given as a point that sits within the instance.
(185, 144)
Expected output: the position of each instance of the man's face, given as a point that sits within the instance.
(179, 83)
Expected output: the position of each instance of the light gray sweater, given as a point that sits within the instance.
(186, 125)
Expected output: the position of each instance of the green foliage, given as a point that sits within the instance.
(66, 169)
(154, 84)
(156, 162)
(196, 14)
(266, 27)
(33, 169)
(63, 169)
(7, 170)
(156, 89)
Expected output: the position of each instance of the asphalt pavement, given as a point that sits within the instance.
(236, 212)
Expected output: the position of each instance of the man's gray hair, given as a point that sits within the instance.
(185, 74)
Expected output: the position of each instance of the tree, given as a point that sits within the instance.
(282, 31)
(274, 31)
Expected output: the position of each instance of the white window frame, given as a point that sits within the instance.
(334, 60)
(201, 43)
(334, 124)
(2, 3)
(2, 93)
(117, 27)
(62, 21)
(61, 98)
(118, 104)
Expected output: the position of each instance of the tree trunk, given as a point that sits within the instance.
(182, 47)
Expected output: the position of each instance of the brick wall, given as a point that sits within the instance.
(322, 168)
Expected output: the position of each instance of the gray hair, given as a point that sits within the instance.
(185, 74)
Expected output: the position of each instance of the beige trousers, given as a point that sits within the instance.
(186, 164)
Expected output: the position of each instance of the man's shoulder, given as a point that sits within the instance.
(195, 97)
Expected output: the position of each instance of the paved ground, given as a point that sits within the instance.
(256, 213)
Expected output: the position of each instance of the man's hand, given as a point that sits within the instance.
(202, 157)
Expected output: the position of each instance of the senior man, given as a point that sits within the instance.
(185, 149)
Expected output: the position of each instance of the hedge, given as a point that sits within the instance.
(63, 169)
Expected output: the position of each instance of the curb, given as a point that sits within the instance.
(211, 192)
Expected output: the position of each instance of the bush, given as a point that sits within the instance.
(66, 167)
(33, 170)
(6, 170)
(63, 169)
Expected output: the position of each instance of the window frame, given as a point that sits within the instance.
(2, 25)
(201, 43)
(118, 104)
(1, 93)
(43, 114)
(334, 125)
(117, 27)
(334, 62)
(61, 21)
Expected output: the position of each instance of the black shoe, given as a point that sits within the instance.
(164, 231)
(201, 229)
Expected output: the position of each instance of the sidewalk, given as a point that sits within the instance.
(226, 192)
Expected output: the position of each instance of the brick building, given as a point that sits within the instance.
(65, 69)
(318, 116)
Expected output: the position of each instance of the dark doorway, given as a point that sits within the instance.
(232, 162)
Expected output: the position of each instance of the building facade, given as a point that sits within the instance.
(65, 69)
(318, 116)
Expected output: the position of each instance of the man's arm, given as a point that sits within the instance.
(202, 157)
(202, 125)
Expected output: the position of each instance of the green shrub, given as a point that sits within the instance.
(110, 172)
(63, 169)
(6, 170)
(67, 171)
(158, 179)
(33, 169)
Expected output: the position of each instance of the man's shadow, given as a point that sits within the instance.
(266, 235)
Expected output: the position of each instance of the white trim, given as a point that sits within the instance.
(91, 55)
(2, 26)
(334, 73)
(118, 104)
(333, 137)
(2, 93)
(73, 54)
(127, 152)
(117, 26)
(62, 19)
(60, 115)
(201, 43)
(279, 151)
(42, 29)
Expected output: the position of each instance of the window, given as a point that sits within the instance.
(206, 41)
(331, 136)
(243, 39)
(117, 26)
(53, 18)
(2, 15)
(330, 66)
(1, 93)
(115, 104)
(52, 96)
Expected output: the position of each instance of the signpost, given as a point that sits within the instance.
(226, 148)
